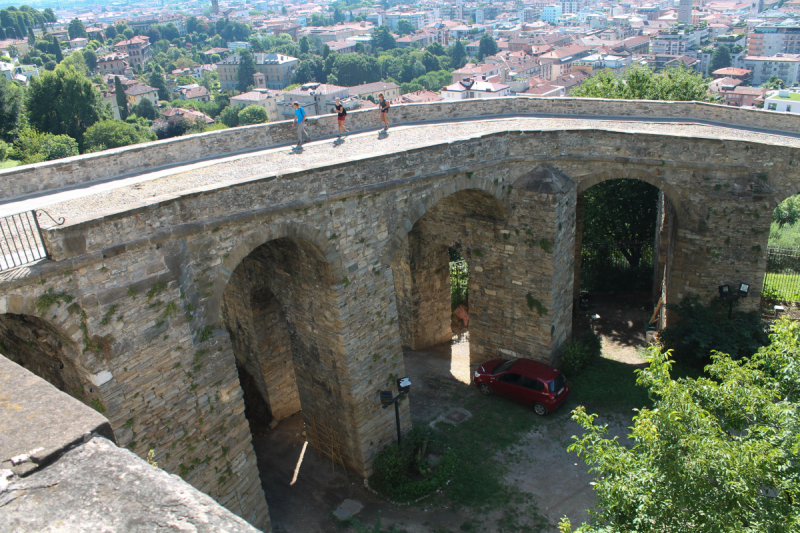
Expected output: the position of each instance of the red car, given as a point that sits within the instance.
(526, 381)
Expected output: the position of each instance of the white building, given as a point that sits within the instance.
(474, 88)
(266, 98)
(417, 19)
(551, 13)
(784, 66)
(784, 100)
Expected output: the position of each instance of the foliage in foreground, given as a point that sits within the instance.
(642, 83)
(579, 353)
(702, 329)
(714, 454)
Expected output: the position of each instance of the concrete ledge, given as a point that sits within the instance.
(39, 421)
(60, 472)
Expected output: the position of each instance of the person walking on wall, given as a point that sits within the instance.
(342, 114)
(384, 107)
(300, 120)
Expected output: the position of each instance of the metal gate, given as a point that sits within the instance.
(782, 279)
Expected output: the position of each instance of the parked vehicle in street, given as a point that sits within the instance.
(523, 380)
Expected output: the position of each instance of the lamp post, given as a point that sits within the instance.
(387, 399)
(725, 293)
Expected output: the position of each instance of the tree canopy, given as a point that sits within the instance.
(247, 68)
(642, 83)
(716, 454)
(108, 134)
(64, 102)
(10, 108)
(253, 114)
(382, 39)
(487, 46)
(76, 29)
(404, 27)
(720, 58)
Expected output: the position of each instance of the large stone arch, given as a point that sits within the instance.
(259, 236)
(624, 172)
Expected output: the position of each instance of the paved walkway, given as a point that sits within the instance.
(113, 195)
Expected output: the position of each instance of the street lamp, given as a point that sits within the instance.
(725, 293)
(387, 399)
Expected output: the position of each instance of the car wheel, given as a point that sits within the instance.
(485, 389)
(539, 409)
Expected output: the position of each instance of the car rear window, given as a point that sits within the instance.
(556, 385)
(504, 366)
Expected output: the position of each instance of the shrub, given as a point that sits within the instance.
(3, 150)
(579, 353)
(230, 116)
(253, 114)
(108, 134)
(404, 473)
(701, 329)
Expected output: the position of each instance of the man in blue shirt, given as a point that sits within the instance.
(300, 120)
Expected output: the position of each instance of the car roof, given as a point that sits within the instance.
(534, 369)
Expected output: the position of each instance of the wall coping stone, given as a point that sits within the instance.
(131, 160)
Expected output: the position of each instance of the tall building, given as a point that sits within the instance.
(756, 6)
(551, 13)
(137, 48)
(685, 11)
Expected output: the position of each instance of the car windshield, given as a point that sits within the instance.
(504, 366)
(556, 385)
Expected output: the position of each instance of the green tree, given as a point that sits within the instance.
(787, 212)
(91, 59)
(774, 82)
(156, 80)
(11, 98)
(253, 114)
(720, 58)
(487, 46)
(623, 212)
(111, 32)
(642, 83)
(247, 68)
(108, 134)
(458, 55)
(304, 44)
(122, 99)
(76, 29)
(145, 109)
(230, 116)
(32, 146)
(355, 69)
(382, 39)
(714, 454)
(311, 69)
(64, 102)
(404, 27)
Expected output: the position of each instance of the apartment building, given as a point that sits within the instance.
(418, 19)
(784, 66)
(138, 50)
(771, 39)
(277, 69)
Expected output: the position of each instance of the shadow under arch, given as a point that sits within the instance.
(47, 351)
(257, 238)
(281, 309)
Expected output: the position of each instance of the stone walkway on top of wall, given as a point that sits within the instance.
(119, 195)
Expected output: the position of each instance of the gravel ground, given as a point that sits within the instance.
(116, 195)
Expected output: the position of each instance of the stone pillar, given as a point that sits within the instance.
(576, 287)
(430, 289)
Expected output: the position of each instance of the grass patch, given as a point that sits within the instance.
(9, 164)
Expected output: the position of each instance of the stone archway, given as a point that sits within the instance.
(48, 352)
(281, 309)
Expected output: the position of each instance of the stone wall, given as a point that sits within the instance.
(170, 152)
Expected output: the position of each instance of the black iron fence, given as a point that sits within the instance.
(782, 280)
(459, 278)
(617, 266)
(21, 238)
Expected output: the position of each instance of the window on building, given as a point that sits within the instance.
(788, 108)
(772, 107)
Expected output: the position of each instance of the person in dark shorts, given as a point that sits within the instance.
(342, 114)
(383, 105)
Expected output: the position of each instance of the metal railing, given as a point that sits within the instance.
(782, 279)
(21, 238)
(616, 266)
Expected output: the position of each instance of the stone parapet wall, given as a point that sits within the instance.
(170, 152)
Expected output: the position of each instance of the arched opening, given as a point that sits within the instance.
(281, 311)
(442, 301)
(623, 255)
(49, 353)
(782, 277)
